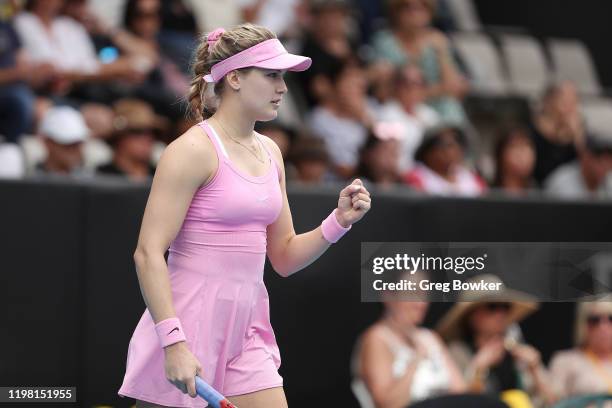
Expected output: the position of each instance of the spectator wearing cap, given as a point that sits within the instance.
(408, 109)
(441, 168)
(328, 42)
(135, 125)
(63, 131)
(379, 157)
(411, 39)
(588, 177)
(342, 120)
(309, 161)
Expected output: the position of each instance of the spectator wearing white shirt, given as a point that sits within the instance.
(280, 16)
(588, 177)
(65, 44)
(343, 118)
(408, 109)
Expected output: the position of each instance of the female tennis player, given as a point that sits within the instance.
(218, 202)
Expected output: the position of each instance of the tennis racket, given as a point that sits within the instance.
(211, 395)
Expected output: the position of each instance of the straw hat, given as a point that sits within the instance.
(134, 114)
(522, 305)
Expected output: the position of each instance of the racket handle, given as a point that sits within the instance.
(211, 395)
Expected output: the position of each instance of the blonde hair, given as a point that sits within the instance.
(229, 43)
(583, 310)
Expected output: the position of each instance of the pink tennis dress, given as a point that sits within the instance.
(216, 265)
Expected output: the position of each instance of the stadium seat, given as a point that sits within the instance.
(598, 114)
(527, 65)
(96, 152)
(483, 62)
(464, 15)
(34, 151)
(572, 61)
(12, 162)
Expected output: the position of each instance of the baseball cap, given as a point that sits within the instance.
(64, 125)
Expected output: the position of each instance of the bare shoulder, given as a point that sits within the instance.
(374, 334)
(191, 155)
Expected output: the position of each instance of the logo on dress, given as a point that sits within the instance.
(262, 198)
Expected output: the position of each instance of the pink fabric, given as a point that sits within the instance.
(169, 331)
(216, 265)
(268, 54)
(331, 228)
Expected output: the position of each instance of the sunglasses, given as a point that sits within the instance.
(497, 307)
(594, 320)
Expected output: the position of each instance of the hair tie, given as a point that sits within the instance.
(214, 36)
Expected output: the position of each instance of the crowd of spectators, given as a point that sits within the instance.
(477, 349)
(383, 100)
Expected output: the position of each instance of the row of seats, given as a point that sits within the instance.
(519, 64)
(510, 64)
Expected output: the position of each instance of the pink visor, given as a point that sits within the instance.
(269, 54)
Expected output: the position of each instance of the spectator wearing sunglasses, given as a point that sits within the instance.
(587, 368)
(484, 339)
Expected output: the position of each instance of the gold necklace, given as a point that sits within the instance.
(243, 145)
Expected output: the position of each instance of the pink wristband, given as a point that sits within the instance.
(331, 228)
(170, 331)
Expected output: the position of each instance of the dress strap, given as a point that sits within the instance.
(214, 137)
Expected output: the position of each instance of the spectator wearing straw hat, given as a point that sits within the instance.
(587, 368)
(484, 339)
(63, 131)
(135, 125)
